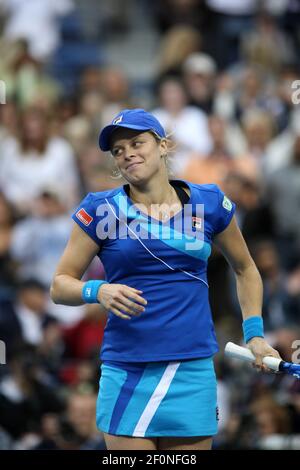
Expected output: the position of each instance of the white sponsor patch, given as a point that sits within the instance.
(227, 204)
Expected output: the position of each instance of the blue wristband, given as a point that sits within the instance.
(253, 326)
(90, 291)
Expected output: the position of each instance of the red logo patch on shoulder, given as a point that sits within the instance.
(84, 217)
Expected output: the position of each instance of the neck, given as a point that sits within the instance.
(155, 191)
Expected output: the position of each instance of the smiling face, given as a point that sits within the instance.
(138, 155)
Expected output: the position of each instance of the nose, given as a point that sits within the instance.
(128, 153)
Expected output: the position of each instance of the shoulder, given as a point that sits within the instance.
(94, 199)
(218, 208)
(206, 190)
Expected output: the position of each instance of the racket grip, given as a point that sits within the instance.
(239, 352)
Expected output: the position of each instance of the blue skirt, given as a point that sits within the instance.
(177, 398)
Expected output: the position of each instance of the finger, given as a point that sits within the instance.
(258, 361)
(135, 297)
(117, 312)
(131, 304)
(135, 290)
(128, 309)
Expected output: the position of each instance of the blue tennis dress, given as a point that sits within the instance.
(157, 374)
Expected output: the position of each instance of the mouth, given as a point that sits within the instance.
(133, 165)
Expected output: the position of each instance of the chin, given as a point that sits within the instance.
(137, 178)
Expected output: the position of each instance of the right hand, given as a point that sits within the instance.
(119, 298)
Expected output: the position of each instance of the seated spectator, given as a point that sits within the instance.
(258, 44)
(25, 396)
(46, 15)
(187, 125)
(283, 192)
(258, 128)
(36, 160)
(270, 418)
(76, 429)
(253, 212)
(97, 170)
(23, 320)
(280, 306)
(179, 12)
(8, 120)
(38, 240)
(176, 45)
(114, 86)
(199, 75)
(8, 271)
(215, 167)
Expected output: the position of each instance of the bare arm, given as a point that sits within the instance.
(249, 284)
(66, 289)
(67, 285)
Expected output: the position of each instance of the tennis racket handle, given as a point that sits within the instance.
(238, 352)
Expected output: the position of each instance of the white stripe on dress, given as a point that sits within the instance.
(156, 399)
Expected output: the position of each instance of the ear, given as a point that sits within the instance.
(163, 146)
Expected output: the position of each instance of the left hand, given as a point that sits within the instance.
(260, 348)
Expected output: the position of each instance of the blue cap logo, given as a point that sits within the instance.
(136, 119)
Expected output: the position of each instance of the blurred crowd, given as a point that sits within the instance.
(222, 86)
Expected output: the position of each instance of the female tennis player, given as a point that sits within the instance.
(154, 236)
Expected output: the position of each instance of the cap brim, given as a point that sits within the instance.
(105, 135)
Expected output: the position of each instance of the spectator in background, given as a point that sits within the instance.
(78, 131)
(20, 23)
(96, 170)
(253, 212)
(81, 409)
(8, 120)
(177, 44)
(75, 429)
(280, 308)
(25, 396)
(250, 91)
(115, 88)
(257, 90)
(90, 80)
(186, 125)
(27, 81)
(199, 73)
(7, 265)
(179, 12)
(270, 418)
(215, 167)
(36, 160)
(38, 240)
(257, 45)
(258, 130)
(23, 318)
(284, 195)
(228, 21)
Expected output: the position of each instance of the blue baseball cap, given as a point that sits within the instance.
(136, 119)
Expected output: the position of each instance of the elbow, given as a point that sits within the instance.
(54, 291)
(248, 268)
